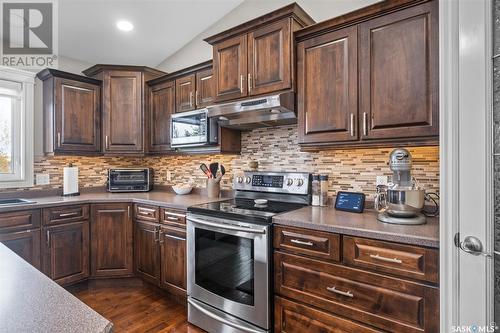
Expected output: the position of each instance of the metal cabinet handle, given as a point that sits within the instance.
(157, 235)
(106, 142)
(340, 292)
(196, 97)
(175, 237)
(191, 99)
(128, 211)
(365, 125)
(68, 214)
(48, 238)
(174, 214)
(228, 226)
(352, 124)
(241, 83)
(172, 218)
(393, 260)
(160, 236)
(249, 82)
(298, 241)
(58, 139)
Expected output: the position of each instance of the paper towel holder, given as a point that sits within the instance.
(70, 181)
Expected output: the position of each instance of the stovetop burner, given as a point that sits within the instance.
(245, 209)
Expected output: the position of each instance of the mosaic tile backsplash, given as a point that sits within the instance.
(275, 149)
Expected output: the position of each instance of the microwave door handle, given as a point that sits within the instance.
(227, 226)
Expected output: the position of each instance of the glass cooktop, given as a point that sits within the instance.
(245, 209)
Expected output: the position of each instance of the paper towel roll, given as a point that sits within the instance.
(70, 182)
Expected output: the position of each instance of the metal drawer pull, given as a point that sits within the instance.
(68, 214)
(343, 293)
(365, 126)
(174, 237)
(147, 210)
(298, 241)
(393, 260)
(174, 214)
(241, 84)
(352, 124)
(172, 218)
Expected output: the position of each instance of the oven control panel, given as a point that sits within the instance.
(279, 182)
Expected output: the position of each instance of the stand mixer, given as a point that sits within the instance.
(402, 201)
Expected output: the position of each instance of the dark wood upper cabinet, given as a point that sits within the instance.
(399, 74)
(327, 87)
(72, 112)
(25, 244)
(269, 58)
(111, 240)
(230, 68)
(147, 251)
(184, 93)
(161, 107)
(256, 57)
(205, 88)
(370, 78)
(123, 105)
(66, 252)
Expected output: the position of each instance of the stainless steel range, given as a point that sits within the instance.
(230, 252)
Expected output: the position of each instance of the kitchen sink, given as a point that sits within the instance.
(15, 201)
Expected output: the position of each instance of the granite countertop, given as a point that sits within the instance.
(31, 302)
(161, 198)
(361, 225)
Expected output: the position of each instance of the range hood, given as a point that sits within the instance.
(265, 111)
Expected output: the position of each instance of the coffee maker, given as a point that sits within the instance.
(402, 201)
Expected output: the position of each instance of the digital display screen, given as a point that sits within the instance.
(350, 201)
(267, 181)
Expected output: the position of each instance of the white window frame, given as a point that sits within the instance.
(23, 139)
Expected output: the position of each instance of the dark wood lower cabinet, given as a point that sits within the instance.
(25, 244)
(173, 260)
(146, 251)
(66, 252)
(112, 240)
(291, 317)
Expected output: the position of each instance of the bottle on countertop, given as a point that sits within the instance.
(323, 196)
(315, 190)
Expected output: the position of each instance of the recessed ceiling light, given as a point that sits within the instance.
(124, 25)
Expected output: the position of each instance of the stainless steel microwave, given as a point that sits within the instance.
(193, 129)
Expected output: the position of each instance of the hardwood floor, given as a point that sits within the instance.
(134, 306)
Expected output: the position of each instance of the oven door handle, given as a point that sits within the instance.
(227, 227)
(222, 320)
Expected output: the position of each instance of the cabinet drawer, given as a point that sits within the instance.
(309, 242)
(292, 317)
(64, 214)
(146, 213)
(404, 260)
(387, 303)
(173, 217)
(26, 219)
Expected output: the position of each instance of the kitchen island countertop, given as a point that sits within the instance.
(361, 225)
(31, 302)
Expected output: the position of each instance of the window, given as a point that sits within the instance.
(16, 127)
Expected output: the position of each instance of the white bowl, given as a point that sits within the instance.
(182, 189)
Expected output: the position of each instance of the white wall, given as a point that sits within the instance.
(65, 64)
(197, 50)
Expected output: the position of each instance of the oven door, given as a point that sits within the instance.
(228, 267)
(189, 129)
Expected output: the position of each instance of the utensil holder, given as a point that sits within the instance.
(213, 188)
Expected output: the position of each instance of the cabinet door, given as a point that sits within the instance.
(173, 260)
(122, 112)
(111, 245)
(269, 58)
(162, 106)
(230, 68)
(399, 82)
(184, 93)
(77, 116)
(146, 251)
(66, 252)
(25, 244)
(327, 87)
(205, 88)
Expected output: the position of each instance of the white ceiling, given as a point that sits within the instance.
(87, 28)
